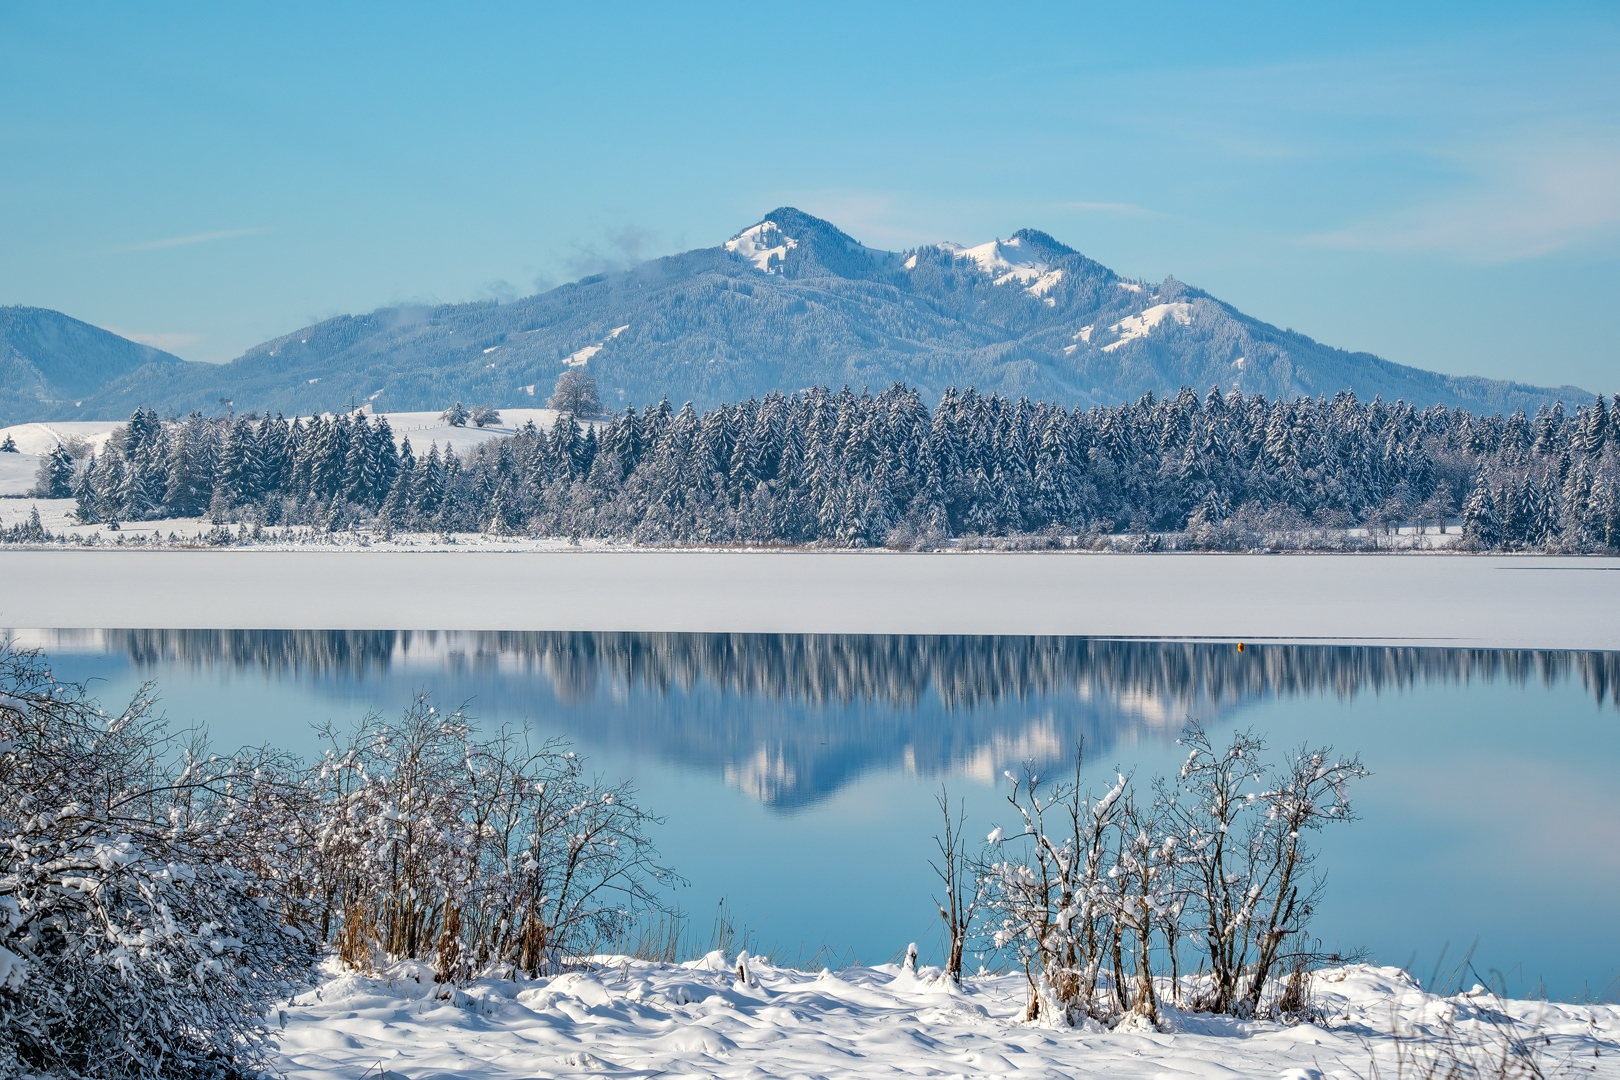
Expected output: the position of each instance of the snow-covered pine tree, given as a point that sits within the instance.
(55, 478)
(1482, 522)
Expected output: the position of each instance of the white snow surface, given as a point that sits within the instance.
(764, 245)
(424, 428)
(1139, 326)
(630, 1018)
(42, 438)
(583, 356)
(17, 472)
(1083, 334)
(1008, 261)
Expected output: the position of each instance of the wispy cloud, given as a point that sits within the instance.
(184, 241)
(1533, 197)
(616, 249)
(167, 342)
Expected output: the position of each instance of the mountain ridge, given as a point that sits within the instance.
(49, 362)
(793, 301)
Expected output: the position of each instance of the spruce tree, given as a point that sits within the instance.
(1482, 523)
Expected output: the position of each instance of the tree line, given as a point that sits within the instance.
(850, 470)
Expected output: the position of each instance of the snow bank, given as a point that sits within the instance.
(630, 1018)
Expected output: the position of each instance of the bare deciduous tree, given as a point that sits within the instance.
(961, 886)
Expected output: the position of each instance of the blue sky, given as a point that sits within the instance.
(1436, 183)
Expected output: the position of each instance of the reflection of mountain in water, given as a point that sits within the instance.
(790, 718)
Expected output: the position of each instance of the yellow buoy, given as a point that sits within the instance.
(1240, 646)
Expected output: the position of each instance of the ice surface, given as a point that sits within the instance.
(1482, 601)
(631, 1018)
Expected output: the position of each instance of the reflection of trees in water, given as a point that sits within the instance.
(790, 718)
(350, 653)
(894, 670)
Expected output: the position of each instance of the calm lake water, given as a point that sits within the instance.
(798, 773)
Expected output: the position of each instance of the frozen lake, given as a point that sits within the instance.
(798, 772)
(1511, 601)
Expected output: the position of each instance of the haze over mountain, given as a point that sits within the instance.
(49, 363)
(788, 303)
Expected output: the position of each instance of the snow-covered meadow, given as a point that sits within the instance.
(624, 1017)
(424, 429)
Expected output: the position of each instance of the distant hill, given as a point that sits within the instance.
(793, 302)
(50, 363)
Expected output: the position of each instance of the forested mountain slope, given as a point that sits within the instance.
(793, 302)
(50, 362)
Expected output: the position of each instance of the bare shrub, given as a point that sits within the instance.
(1218, 860)
(962, 888)
(434, 845)
(1046, 891)
(1243, 844)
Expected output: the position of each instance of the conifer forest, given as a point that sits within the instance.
(839, 469)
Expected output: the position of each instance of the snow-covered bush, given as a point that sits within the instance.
(1047, 891)
(430, 844)
(1241, 825)
(133, 942)
(1218, 860)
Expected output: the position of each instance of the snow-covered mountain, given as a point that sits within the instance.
(792, 301)
(50, 362)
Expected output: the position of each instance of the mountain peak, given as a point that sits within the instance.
(791, 242)
(791, 301)
(1036, 240)
(765, 245)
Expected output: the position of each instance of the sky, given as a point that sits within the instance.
(1437, 183)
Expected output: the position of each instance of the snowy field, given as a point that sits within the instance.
(35, 441)
(629, 1018)
(1485, 601)
(423, 428)
(17, 472)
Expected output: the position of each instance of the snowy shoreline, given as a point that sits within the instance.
(1483, 601)
(632, 1018)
